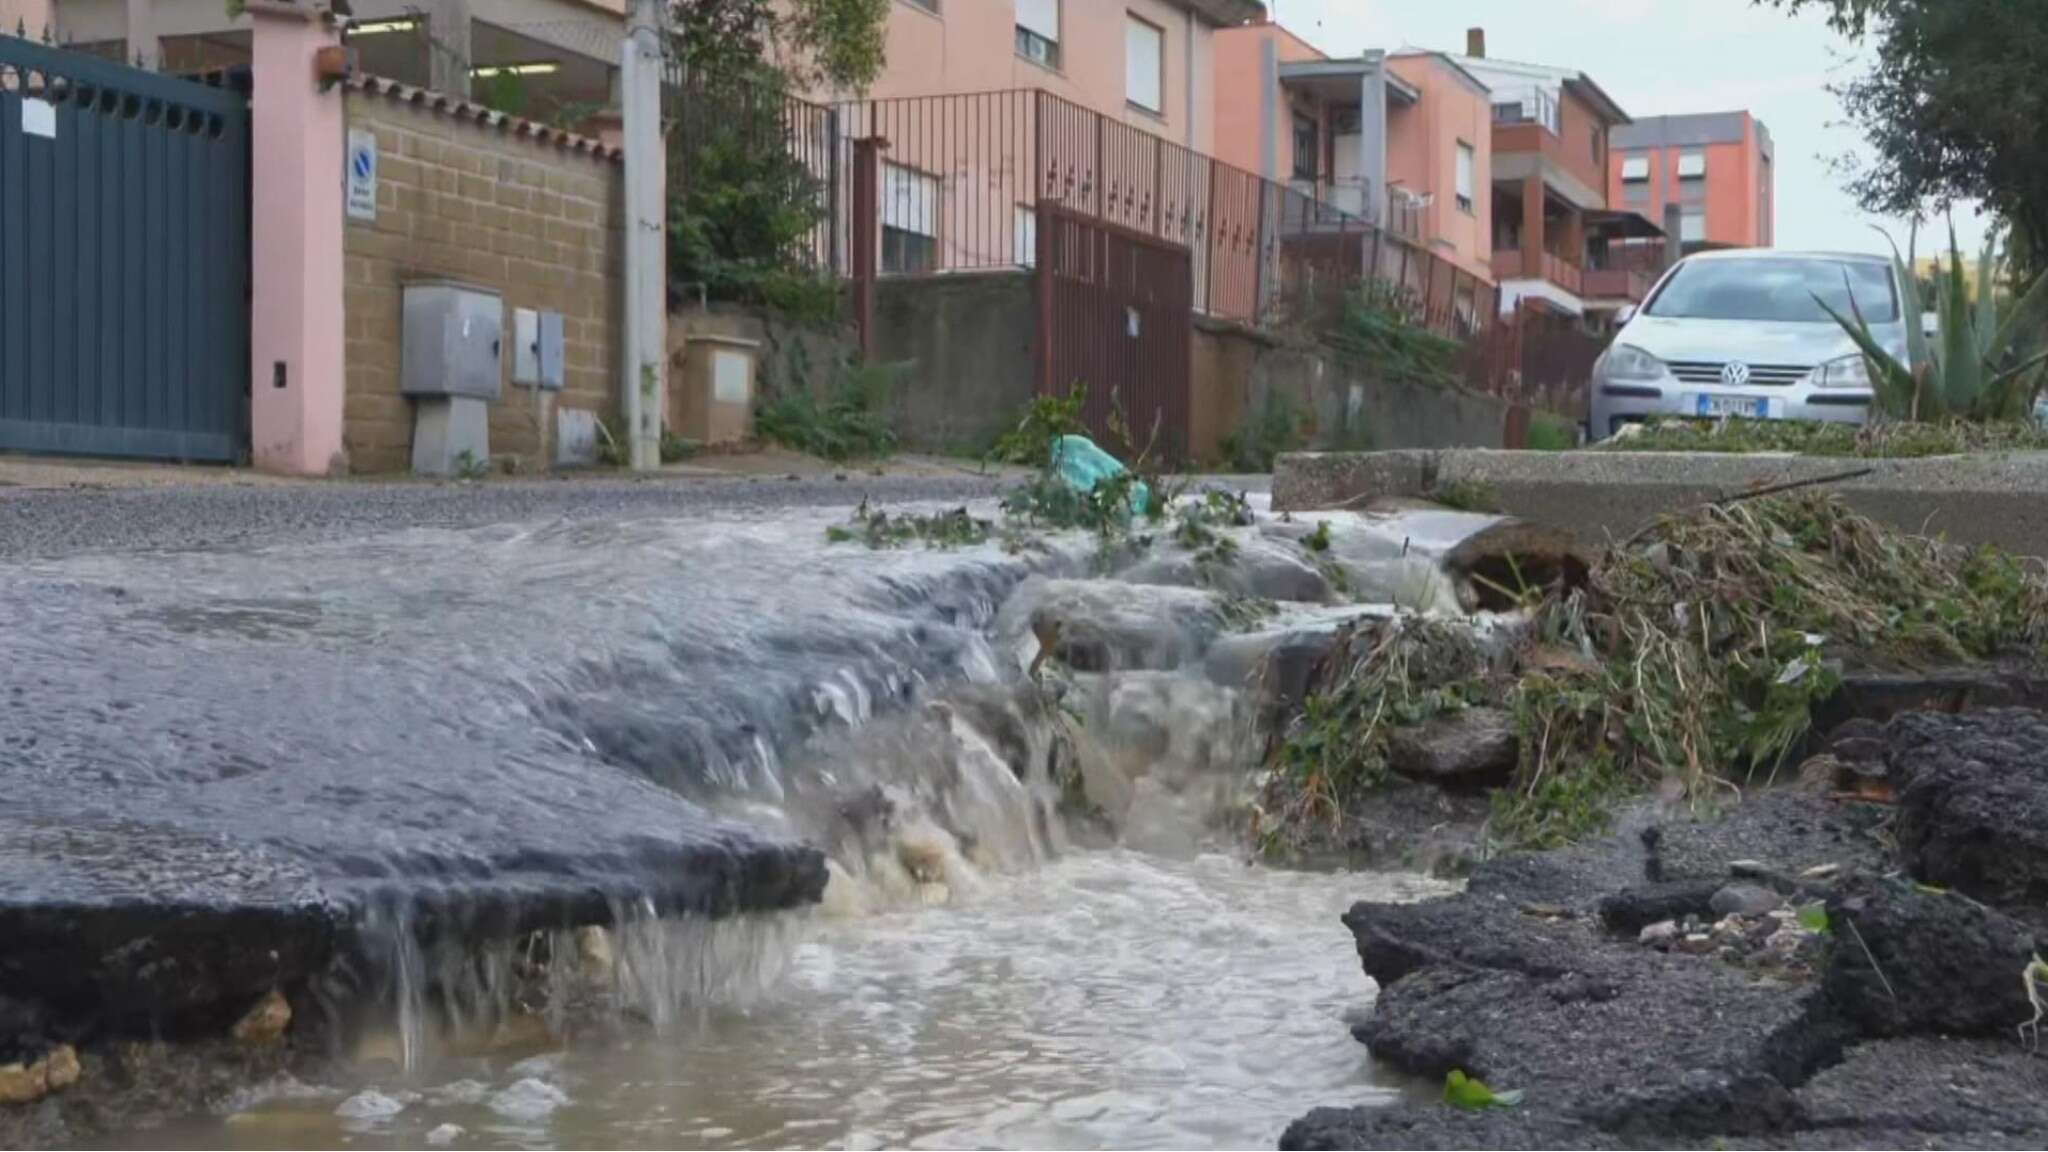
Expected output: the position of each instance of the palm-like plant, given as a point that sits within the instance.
(1979, 367)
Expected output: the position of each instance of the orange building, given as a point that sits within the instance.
(1402, 139)
(1716, 167)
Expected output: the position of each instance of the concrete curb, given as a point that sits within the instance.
(1999, 498)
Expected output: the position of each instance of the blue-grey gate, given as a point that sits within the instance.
(124, 259)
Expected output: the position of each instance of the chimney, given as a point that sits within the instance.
(1475, 43)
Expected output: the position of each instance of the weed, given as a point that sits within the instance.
(1275, 429)
(1550, 434)
(1045, 420)
(853, 423)
(1318, 541)
(675, 449)
(1467, 494)
(878, 529)
(470, 466)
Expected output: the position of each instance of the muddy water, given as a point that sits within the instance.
(411, 728)
(1108, 999)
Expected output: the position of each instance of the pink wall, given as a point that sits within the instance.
(1240, 106)
(295, 231)
(34, 15)
(971, 46)
(1422, 156)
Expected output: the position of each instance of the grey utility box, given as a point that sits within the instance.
(451, 363)
(537, 349)
(451, 342)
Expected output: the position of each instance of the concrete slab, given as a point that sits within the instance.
(1997, 499)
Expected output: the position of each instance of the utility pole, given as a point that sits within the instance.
(646, 296)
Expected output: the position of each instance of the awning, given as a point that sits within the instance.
(1340, 82)
(1627, 225)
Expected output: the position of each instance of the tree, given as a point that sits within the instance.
(835, 42)
(1955, 108)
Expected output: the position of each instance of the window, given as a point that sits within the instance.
(1635, 169)
(1144, 52)
(1599, 145)
(1692, 165)
(1038, 31)
(1024, 236)
(1692, 226)
(1777, 288)
(1464, 177)
(910, 220)
(1307, 147)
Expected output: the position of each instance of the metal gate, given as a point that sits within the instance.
(124, 259)
(1116, 315)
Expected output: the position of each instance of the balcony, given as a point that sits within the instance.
(1616, 284)
(1508, 265)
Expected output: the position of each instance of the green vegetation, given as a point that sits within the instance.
(1549, 433)
(1878, 439)
(1462, 1091)
(1275, 429)
(852, 423)
(1466, 494)
(1945, 109)
(878, 529)
(1045, 420)
(1375, 337)
(1692, 659)
(675, 449)
(1981, 368)
(470, 466)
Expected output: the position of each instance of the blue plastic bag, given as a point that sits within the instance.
(1081, 466)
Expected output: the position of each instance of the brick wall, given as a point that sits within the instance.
(500, 203)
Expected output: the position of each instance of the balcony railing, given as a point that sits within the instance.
(1616, 284)
(1508, 265)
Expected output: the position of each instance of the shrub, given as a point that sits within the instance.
(853, 422)
(1275, 429)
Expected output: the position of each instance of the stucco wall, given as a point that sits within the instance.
(31, 15)
(460, 200)
(971, 46)
(1422, 154)
(1578, 126)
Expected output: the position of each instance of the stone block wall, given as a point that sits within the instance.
(504, 204)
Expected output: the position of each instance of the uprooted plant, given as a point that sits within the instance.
(1693, 659)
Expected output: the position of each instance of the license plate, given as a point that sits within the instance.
(1752, 406)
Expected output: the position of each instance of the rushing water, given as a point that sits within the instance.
(588, 719)
(1109, 999)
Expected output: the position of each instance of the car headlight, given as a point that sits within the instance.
(1844, 372)
(1628, 362)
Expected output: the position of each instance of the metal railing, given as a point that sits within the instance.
(1616, 284)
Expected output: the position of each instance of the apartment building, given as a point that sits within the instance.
(1559, 243)
(1401, 139)
(1717, 167)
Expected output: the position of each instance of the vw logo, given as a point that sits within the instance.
(1735, 373)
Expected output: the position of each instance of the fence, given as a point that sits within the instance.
(962, 182)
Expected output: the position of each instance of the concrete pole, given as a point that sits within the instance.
(646, 298)
(1372, 141)
(143, 47)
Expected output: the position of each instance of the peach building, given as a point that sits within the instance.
(1717, 167)
(1403, 139)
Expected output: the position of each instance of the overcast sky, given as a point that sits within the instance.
(1659, 57)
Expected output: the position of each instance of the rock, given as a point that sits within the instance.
(1973, 804)
(444, 1135)
(1634, 908)
(1954, 1093)
(596, 957)
(1696, 943)
(265, 1023)
(1659, 935)
(369, 1105)
(1744, 900)
(27, 1081)
(1261, 568)
(528, 1100)
(1858, 750)
(1906, 960)
(62, 1070)
(1476, 746)
(24, 1082)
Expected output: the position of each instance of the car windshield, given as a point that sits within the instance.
(1777, 289)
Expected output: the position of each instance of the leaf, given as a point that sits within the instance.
(1462, 1091)
(1892, 381)
(1814, 917)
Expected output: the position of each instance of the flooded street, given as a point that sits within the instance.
(668, 830)
(1110, 999)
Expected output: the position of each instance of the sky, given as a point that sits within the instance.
(1660, 57)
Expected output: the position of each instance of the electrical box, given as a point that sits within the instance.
(451, 344)
(537, 349)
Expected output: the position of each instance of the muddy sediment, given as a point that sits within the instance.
(1860, 1001)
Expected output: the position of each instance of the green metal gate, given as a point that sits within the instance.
(124, 259)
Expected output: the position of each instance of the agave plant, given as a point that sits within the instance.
(1977, 367)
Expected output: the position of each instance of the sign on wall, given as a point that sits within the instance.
(362, 174)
